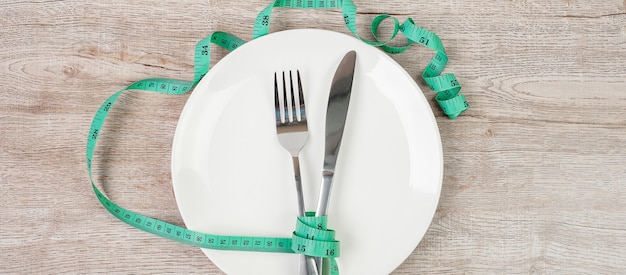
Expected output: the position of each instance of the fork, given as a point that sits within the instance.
(292, 132)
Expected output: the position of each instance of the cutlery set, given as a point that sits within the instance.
(292, 133)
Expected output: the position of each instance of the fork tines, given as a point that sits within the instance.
(289, 103)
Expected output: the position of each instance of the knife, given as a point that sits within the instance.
(336, 114)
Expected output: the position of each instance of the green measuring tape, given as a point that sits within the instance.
(324, 245)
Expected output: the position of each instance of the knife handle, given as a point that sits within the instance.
(322, 205)
(324, 198)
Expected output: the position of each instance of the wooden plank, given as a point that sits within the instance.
(535, 171)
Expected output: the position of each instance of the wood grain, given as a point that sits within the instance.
(535, 171)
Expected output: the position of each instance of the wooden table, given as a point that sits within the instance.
(535, 171)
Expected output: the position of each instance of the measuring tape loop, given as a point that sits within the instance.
(453, 106)
(389, 49)
(376, 24)
(311, 236)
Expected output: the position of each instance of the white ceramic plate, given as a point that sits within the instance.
(232, 177)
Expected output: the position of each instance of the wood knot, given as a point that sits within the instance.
(70, 70)
(489, 133)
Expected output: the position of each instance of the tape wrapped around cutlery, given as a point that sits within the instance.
(323, 244)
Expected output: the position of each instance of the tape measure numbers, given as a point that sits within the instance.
(311, 236)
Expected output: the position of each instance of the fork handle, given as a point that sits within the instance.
(298, 180)
(308, 264)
